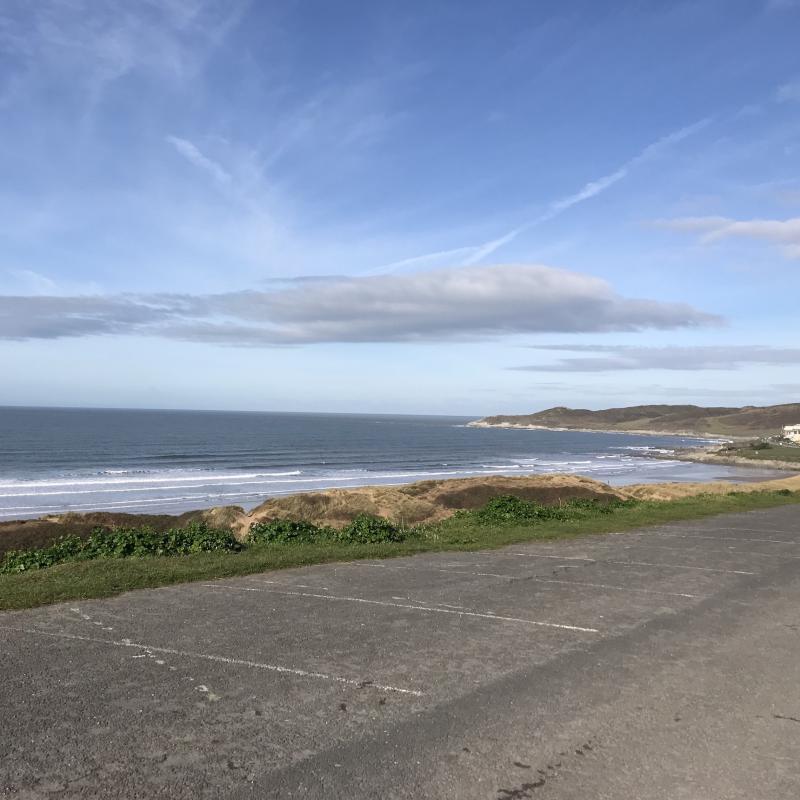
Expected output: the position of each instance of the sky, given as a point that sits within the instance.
(448, 207)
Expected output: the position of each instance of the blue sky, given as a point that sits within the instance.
(444, 207)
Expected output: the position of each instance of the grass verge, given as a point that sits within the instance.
(105, 577)
(763, 451)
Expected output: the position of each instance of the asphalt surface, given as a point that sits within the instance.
(663, 663)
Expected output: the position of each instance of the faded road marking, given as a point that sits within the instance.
(730, 551)
(636, 563)
(430, 609)
(558, 558)
(735, 528)
(87, 618)
(574, 583)
(741, 539)
(511, 576)
(682, 566)
(240, 662)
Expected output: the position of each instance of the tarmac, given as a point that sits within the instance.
(659, 663)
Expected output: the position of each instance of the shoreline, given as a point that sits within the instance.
(773, 475)
(704, 455)
(683, 434)
(758, 471)
(737, 470)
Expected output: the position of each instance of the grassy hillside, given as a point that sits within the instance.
(715, 421)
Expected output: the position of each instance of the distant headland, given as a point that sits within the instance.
(685, 420)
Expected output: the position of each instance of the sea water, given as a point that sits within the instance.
(55, 460)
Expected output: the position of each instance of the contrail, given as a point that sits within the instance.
(476, 253)
(589, 190)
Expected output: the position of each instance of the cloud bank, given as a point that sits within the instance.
(613, 358)
(459, 303)
(785, 233)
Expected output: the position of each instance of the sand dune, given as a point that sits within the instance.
(413, 503)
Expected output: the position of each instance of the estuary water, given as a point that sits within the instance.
(54, 460)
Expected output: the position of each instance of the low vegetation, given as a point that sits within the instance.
(509, 508)
(196, 537)
(764, 450)
(364, 529)
(286, 531)
(112, 561)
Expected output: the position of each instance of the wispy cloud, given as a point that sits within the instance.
(615, 358)
(473, 254)
(599, 393)
(31, 282)
(34, 282)
(192, 154)
(785, 233)
(591, 189)
(427, 259)
(588, 191)
(96, 42)
(789, 92)
(782, 5)
(465, 303)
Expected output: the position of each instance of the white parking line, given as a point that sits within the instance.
(509, 575)
(558, 558)
(730, 551)
(682, 566)
(301, 673)
(482, 615)
(635, 563)
(670, 535)
(575, 583)
(733, 529)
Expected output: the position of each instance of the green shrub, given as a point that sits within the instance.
(285, 531)
(594, 506)
(509, 508)
(67, 548)
(366, 529)
(196, 537)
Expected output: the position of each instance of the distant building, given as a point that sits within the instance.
(792, 433)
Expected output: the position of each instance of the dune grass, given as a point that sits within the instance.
(105, 577)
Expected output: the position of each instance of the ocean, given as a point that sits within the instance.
(55, 460)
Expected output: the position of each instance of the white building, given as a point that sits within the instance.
(792, 433)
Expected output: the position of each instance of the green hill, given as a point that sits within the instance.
(715, 421)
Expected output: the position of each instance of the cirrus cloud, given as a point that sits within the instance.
(614, 358)
(785, 233)
(460, 303)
